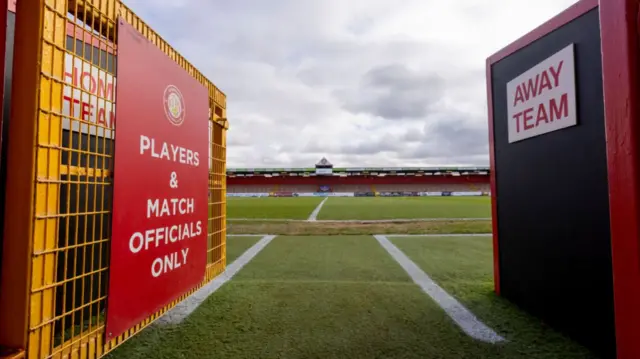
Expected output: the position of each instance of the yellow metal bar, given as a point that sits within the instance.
(96, 13)
(15, 300)
(49, 129)
(83, 171)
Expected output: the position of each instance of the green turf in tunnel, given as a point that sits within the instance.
(323, 258)
(463, 266)
(311, 320)
(314, 297)
(342, 297)
(236, 245)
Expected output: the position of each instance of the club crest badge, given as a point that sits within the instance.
(174, 107)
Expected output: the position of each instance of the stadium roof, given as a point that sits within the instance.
(366, 169)
(324, 162)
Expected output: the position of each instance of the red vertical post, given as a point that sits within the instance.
(619, 31)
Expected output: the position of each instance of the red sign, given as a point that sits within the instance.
(159, 233)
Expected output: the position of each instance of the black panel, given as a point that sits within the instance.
(553, 209)
(6, 108)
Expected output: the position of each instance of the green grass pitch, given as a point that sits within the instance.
(345, 297)
(271, 207)
(371, 208)
(359, 208)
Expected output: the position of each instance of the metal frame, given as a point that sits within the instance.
(619, 32)
(34, 251)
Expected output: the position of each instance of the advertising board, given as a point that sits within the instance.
(341, 194)
(247, 194)
(430, 194)
(159, 230)
(462, 194)
(334, 194)
(283, 194)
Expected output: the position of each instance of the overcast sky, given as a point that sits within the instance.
(361, 82)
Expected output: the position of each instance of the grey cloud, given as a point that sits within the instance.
(342, 64)
(371, 147)
(465, 160)
(452, 137)
(358, 145)
(448, 137)
(396, 92)
(413, 136)
(313, 78)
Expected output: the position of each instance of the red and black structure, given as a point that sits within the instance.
(566, 203)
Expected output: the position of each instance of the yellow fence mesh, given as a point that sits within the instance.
(69, 254)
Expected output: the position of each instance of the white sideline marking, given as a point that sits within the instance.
(397, 220)
(248, 235)
(468, 322)
(314, 215)
(441, 235)
(178, 313)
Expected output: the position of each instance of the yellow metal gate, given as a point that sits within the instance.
(55, 268)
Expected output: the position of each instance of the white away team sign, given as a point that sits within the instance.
(543, 99)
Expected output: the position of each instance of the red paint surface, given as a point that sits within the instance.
(570, 14)
(619, 31)
(144, 72)
(355, 180)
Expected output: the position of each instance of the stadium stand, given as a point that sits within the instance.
(325, 179)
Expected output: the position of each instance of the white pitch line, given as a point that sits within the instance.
(441, 235)
(398, 220)
(468, 322)
(314, 215)
(248, 235)
(178, 313)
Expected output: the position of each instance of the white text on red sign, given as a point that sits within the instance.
(167, 207)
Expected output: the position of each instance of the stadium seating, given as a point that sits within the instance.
(427, 187)
(380, 180)
(250, 189)
(298, 188)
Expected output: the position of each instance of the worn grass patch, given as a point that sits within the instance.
(463, 266)
(351, 228)
(272, 207)
(405, 207)
(323, 258)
